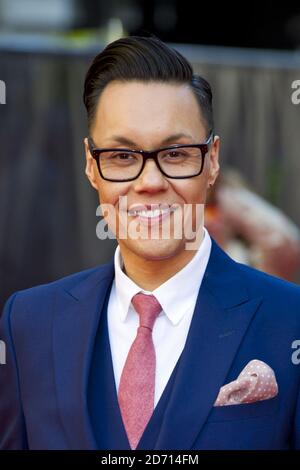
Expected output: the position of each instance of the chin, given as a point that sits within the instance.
(154, 250)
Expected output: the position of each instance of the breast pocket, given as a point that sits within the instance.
(240, 427)
(244, 411)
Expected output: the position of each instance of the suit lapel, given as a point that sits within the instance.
(76, 317)
(222, 314)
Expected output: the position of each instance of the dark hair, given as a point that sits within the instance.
(145, 59)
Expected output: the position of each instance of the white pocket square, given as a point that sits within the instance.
(256, 382)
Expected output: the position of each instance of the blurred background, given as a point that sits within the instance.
(249, 53)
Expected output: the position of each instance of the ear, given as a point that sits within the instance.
(91, 166)
(214, 167)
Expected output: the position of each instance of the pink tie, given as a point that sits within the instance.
(137, 384)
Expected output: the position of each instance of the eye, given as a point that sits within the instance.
(120, 158)
(174, 154)
(123, 156)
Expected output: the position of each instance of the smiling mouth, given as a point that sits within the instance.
(150, 212)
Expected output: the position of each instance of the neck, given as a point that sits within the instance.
(151, 273)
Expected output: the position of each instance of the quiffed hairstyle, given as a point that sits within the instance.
(144, 59)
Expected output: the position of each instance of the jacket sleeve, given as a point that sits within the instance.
(12, 424)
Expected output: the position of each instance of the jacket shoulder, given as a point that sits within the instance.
(40, 294)
(264, 283)
(280, 298)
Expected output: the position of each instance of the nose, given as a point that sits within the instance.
(151, 179)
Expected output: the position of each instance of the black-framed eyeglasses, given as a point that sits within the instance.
(177, 161)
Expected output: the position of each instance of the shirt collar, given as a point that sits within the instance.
(180, 290)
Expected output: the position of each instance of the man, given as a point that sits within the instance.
(173, 345)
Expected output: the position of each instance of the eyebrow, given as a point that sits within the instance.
(128, 142)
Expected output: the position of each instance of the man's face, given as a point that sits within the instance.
(145, 116)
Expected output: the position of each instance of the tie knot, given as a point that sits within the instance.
(148, 308)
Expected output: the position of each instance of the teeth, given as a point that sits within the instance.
(154, 213)
(149, 213)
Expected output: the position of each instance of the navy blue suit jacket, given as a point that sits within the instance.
(241, 314)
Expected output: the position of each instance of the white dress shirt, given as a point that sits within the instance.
(177, 296)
